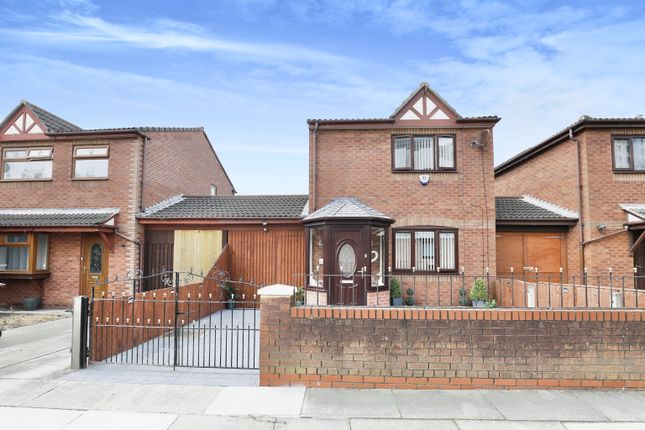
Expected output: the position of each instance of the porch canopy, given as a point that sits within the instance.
(347, 251)
(58, 220)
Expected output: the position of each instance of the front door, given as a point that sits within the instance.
(94, 266)
(348, 282)
(639, 261)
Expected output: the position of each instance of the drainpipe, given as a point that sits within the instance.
(315, 169)
(580, 213)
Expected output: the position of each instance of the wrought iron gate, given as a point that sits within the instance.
(210, 323)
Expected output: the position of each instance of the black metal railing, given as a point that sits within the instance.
(210, 323)
(511, 290)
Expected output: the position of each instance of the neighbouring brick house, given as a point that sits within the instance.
(411, 193)
(69, 198)
(593, 173)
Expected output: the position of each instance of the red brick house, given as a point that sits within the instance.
(594, 170)
(69, 198)
(412, 193)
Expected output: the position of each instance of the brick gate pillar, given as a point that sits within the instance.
(275, 306)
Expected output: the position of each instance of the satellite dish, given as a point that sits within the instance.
(483, 139)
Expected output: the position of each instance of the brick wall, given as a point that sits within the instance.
(358, 163)
(425, 348)
(181, 163)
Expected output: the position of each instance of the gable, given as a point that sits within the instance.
(425, 108)
(22, 124)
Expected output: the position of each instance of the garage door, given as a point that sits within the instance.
(528, 252)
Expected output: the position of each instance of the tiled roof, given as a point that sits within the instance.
(562, 135)
(527, 209)
(56, 217)
(228, 207)
(347, 208)
(635, 209)
(52, 123)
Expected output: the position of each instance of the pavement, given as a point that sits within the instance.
(39, 391)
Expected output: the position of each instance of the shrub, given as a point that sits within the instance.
(479, 291)
(409, 300)
(395, 288)
(463, 297)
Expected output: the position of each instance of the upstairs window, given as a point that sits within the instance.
(425, 250)
(91, 162)
(629, 154)
(423, 153)
(27, 164)
(213, 190)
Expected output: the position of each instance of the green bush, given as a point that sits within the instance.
(463, 297)
(409, 300)
(300, 294)
(395, 288)
(479, 291)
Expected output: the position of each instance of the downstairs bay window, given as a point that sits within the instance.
(425, 250)
(24, 253)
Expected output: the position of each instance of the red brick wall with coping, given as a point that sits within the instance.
(449, 348)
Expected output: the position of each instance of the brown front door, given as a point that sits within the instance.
(639, 261)
(94, 265)
(348, 284)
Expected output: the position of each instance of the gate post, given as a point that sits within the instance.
(80, 329)
(275, 305)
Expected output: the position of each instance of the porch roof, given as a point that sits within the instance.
(57, 217)
(530, 210)
(346, 208)
(635, 212)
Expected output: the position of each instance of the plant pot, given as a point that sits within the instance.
(397, 301)
(300, 302)
(230, 305)
(479, 303)
(31, 303)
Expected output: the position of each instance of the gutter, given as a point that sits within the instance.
(315, 168)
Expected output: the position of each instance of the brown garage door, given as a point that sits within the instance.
(528, 252)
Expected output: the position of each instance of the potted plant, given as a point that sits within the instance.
(395, 292)
(491, 304)
(409, 300)
(300, 296)
(479, 293)
(229, 292)
(463, 297)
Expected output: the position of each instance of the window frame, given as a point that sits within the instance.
(32, 246)
(76, 157)
(437, 230)
(632, 161)
(213, 190)
(27, 158)
(435, 148)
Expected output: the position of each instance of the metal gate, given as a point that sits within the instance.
(194, 321)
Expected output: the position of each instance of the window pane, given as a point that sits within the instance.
(423, 153)
(40, 153)
(402, 153)
(14, 258)
(447, 251)
(376, 257)
(16, 238)
(621, 154)
(96, 258)
(42, 252)
(16, 154)
(316, 257)
(403, 250)
(92, 152)
(213, 190)
(27, 170)
(346, 260)
(446, 152)
(91, 168)
(424, 250)
(639, 153)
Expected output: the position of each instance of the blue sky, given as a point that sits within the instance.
(252, 71)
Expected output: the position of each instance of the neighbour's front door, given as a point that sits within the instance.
(639, 261)
(94, 266)
(348, 284)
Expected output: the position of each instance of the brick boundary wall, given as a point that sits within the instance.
(450, 348)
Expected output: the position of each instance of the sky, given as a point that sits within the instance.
(253, 71)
